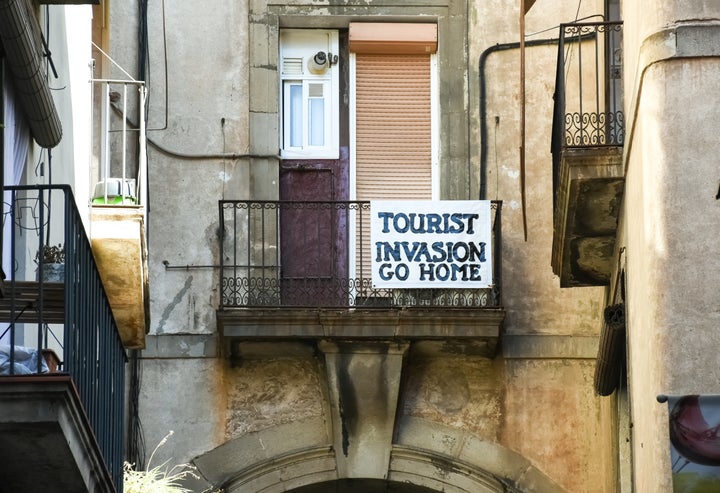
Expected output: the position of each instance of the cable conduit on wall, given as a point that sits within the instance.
(483, 101)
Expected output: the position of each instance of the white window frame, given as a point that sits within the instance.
(302, 45)
(306, 98)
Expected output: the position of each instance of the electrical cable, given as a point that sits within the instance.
(577, 12)
(135, 439)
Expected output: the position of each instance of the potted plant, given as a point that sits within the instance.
(51, 259)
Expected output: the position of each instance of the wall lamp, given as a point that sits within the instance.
(321, 61)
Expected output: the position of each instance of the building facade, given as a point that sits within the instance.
(276, 131)
(287, 376)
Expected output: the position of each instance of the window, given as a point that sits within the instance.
(392, 70)
(309, 94)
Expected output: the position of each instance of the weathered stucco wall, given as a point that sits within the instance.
(273, 391)
(552, 416)
(185, 396)
(673, 314)
(642, 22)
(197, 121)
(671, 59)
(542, 408)
(534, 301)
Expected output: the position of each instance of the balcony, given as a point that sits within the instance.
(61, 356)
(302, 270)
(118, 213)
(587, 147)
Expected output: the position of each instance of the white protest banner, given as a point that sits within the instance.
(431, 244)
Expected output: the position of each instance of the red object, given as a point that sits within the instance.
(691, 435)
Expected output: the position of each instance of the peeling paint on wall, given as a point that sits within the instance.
(265, 393)
(173, 304)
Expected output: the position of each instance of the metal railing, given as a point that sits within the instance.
(588, 87)
(121, 142)
(317, 254)
(68, 313)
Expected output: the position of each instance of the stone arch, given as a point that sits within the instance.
(362, 486)
(429, 455)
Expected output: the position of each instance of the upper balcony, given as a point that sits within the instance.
(118, 212)
(61, 355)
(303, 270)
(587, 146)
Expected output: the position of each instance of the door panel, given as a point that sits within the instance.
(313, 234)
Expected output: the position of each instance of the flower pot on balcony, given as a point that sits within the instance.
(51, 263)
(53, 273)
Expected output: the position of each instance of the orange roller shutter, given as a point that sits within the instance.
(393, 127)
(392, 132)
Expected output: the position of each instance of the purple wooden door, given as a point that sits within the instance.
(313, 233)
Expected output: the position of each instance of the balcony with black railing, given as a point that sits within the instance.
(302, 269)
(61, 357)
(587, 146)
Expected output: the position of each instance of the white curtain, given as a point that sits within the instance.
(16, 145)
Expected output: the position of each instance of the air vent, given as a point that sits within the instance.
(292, 66)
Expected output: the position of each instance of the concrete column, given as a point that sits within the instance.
(364, 382)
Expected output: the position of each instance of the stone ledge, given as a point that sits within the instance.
(180, 346)
(475, 331)
(349, 324)
(549, 347)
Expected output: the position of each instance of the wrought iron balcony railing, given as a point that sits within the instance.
(48, 308)
(317, 254)
(588, 87)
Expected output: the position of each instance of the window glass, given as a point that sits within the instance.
(316, 115)
(295, 116)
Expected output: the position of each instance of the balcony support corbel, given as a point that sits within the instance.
(364, 383)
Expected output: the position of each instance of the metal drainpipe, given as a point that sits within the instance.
(483, 101)
(21, 37)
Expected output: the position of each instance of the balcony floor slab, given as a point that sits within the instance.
(45, 439)
(410, 324)
(587, 203)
